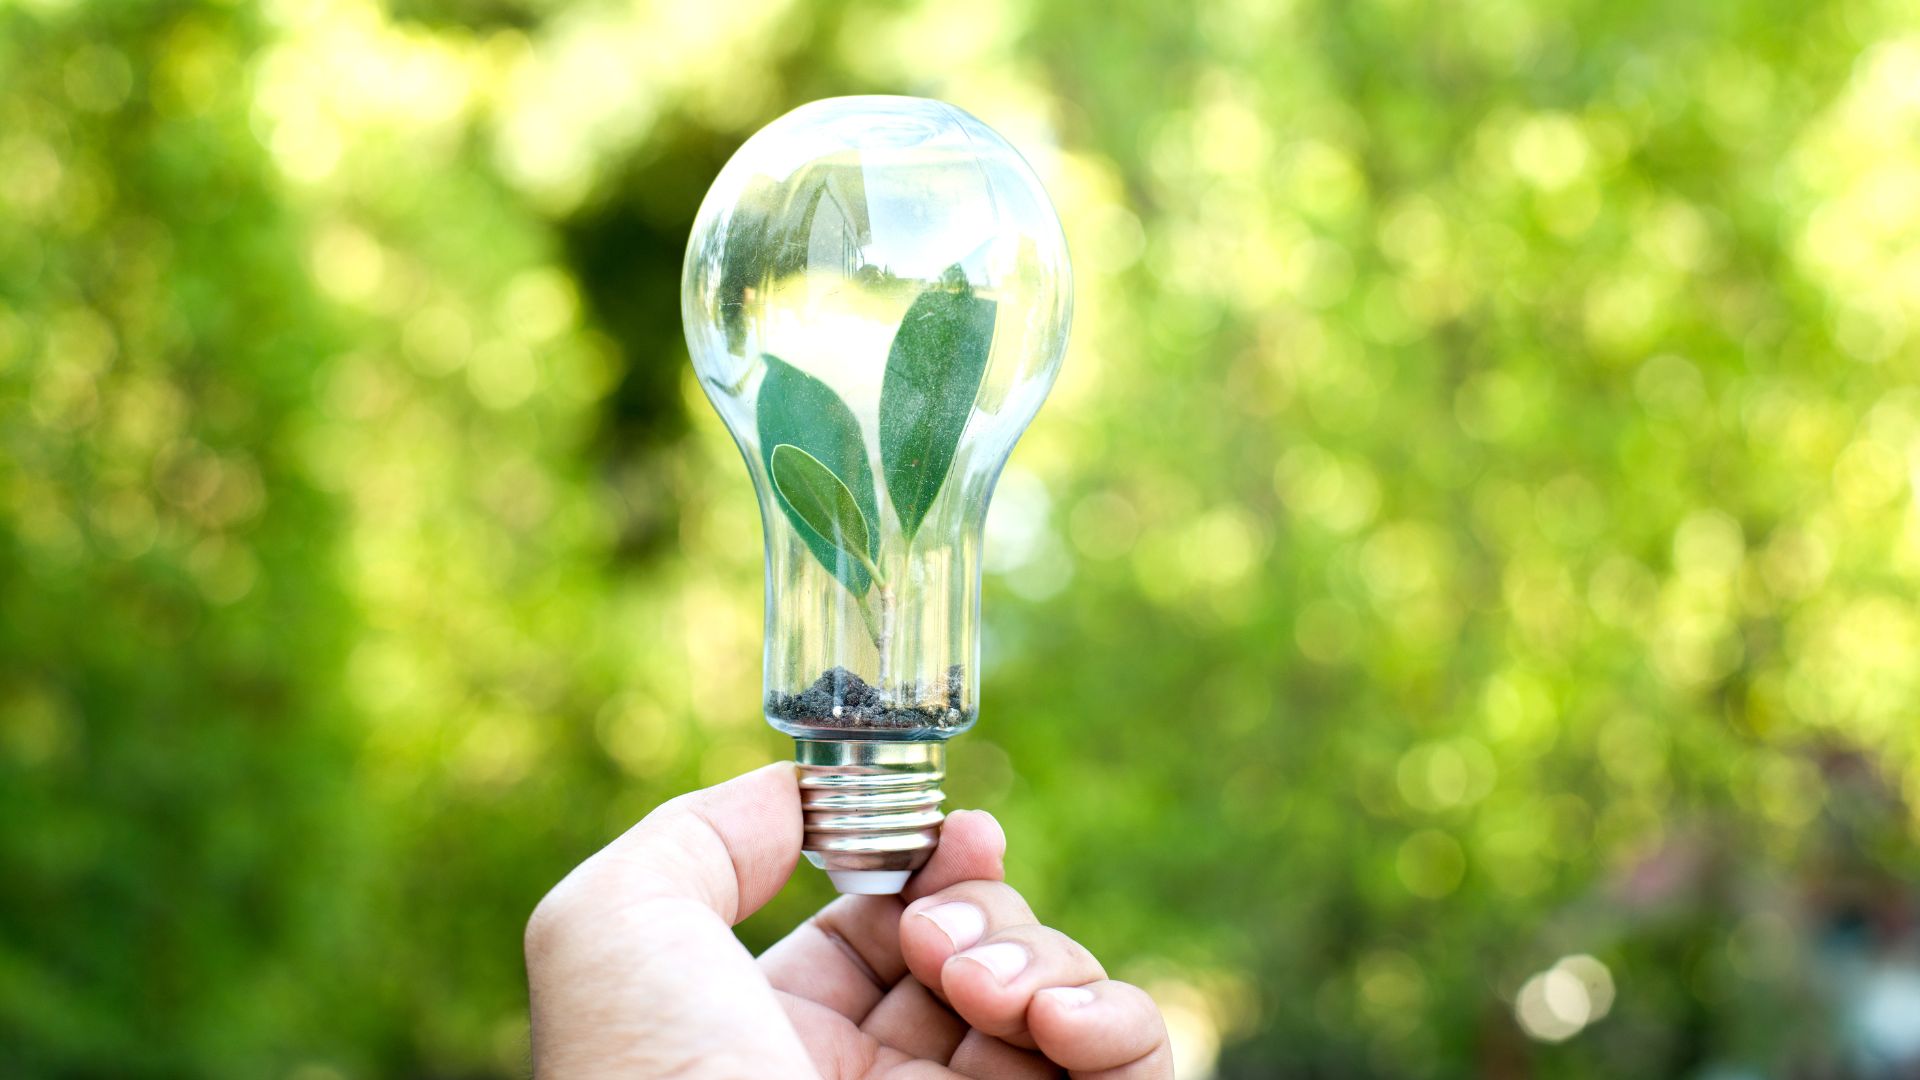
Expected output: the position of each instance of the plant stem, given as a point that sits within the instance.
(886, 640)
(873, 626)
(883, 633)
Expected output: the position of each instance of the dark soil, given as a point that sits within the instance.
(841, 699)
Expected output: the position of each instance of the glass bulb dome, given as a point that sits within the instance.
(876, 297)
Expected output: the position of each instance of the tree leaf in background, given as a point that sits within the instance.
(821, 500)
(798, 410)
(933, 375)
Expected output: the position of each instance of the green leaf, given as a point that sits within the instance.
(798, 410)
(821, 500)
(933, 375)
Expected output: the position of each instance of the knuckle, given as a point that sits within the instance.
(543, 924)
(555, 914)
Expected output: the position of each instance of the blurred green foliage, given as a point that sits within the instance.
(1476, 527)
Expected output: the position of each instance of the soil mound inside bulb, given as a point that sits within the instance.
(839, 699)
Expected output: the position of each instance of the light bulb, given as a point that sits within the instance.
(876, 297)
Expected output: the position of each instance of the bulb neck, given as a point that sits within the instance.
(871, 809)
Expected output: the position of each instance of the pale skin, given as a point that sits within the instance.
(634, 970)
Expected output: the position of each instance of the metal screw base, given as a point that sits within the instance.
(871, 809)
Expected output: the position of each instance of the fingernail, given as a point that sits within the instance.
(1070, 996)
(1003, 958)
(960, 921)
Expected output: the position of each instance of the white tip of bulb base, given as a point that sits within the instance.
(871, 809)
(869, 882)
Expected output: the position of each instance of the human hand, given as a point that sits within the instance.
(634, 971)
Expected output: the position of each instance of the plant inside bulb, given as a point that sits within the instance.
(817, 457)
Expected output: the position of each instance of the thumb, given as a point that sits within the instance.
(632, 966)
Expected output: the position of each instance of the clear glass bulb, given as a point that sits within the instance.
(876, 298)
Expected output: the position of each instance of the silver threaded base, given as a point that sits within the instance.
(871, 809)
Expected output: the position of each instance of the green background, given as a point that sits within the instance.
(1476, 524)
